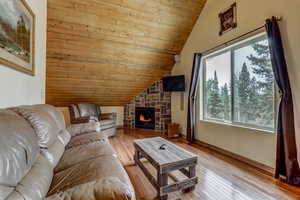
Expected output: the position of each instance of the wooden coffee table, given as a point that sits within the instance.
(166, 157)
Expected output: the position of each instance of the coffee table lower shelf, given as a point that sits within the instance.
(161, 182)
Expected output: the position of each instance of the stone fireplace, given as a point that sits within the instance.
(152, 98)
(145, 118)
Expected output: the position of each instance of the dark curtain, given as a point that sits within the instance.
(191, 118)
(286, 161)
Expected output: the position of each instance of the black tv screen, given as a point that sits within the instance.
(174, 83)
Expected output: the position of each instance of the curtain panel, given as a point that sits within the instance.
(191, 115)
(286, 161)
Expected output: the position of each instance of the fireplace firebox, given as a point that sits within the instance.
(145, 118)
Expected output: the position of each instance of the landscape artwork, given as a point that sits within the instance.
(17, 35)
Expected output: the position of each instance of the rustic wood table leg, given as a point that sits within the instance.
(136, 155)
(191, 174)
(162, 180)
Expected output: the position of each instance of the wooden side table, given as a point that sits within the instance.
(173, 130)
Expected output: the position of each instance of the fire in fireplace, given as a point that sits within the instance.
(145, 118)
(142, 119)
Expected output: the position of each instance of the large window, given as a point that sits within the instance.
(238, 85)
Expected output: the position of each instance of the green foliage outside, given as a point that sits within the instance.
(253, 95)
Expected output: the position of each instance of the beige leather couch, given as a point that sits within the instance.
(86, 112)
(41, 159)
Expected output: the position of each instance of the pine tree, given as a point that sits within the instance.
(243, 93)
(263, 69)
(253, 100)
(215, 102)
(208, 90)
(226, 102)
(236, 105)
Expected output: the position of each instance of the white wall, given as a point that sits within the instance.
(17, 88)
(115, 109)
(254, 145)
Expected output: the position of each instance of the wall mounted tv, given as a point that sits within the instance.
(174, 83)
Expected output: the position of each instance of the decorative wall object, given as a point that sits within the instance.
(153, 97)
(228, 19)
(17, 23)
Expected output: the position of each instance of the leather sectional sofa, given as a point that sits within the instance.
(41, 159)
(85, 112)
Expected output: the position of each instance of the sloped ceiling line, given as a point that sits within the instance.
(107, 52)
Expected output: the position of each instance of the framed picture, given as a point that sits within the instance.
(17, 28)
(228, 19)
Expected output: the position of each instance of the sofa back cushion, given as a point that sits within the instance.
(66, 113)
(88, 109)
(18, 149)
(55, 152)
(43, 123)
(78, 129)
(35, 185)
(74, 111)
(55, 113)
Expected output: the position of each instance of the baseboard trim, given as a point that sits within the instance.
(259, 166)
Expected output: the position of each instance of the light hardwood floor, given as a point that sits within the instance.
(220, 177)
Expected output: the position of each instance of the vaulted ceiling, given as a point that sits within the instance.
(108, 51)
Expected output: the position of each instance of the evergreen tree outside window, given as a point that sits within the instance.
(217, 95)
(238, 85)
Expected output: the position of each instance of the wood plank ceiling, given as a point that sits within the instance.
(108, 51)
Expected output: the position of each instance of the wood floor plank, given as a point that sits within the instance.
(220, 177)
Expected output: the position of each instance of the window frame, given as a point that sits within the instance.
(232, 48)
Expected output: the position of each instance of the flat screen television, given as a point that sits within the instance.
(174, 83)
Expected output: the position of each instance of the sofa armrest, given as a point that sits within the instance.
(104, 116)
(82, 120)
(78, 129)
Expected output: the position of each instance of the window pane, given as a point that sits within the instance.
(254, 85)
(217, 95)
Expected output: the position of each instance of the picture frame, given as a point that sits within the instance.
(228, 19)
(17, 36)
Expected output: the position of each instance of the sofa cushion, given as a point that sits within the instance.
(36, 183)
(88, 109)
(42, 122)
(55, 113)
(107, 122)
(84, 152)
(74, 112)
(102, 189)
(64, 136)
(54, 153)
(109, 132)
(78, 129)
(15, 196)
(18, 146)
(5, 191)
(97, 179)
(87, 138)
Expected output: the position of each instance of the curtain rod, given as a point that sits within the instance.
(234, 39)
